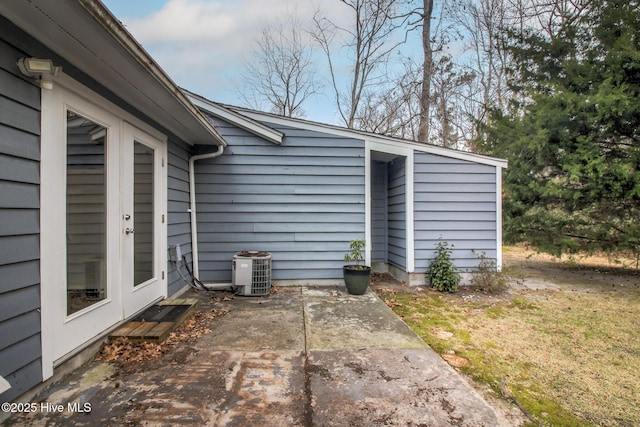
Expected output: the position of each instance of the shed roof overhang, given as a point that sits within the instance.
(87, 35)
(269, 118)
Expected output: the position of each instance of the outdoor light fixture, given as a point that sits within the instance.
(42, 70)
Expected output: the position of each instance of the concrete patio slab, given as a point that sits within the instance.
(299, 357)
(405, 387)
(336, 320)
(255, 324)
(225, 388)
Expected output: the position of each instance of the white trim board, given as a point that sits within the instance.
(499, 219)
(52, 218)
(408, 154)
(236, 119)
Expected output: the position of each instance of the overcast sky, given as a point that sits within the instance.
(202, 44)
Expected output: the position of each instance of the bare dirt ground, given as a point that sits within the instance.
(595, 273)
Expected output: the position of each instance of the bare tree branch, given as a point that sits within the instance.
(281, 73)
(369, 42)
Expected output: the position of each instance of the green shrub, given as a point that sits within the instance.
(442, 274)
(488, 279)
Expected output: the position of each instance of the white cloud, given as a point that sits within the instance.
(202, 44)
(184, 21)
(227, 22)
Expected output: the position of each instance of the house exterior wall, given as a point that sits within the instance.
(379, 212)
(20, 322)
(20, 351)
(456, 200)
(397, 225)
(178, 223)
(303, 201)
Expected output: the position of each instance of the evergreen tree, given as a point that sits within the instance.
(573, 145)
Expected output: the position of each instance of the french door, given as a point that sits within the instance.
(103, 216)
(143, 217)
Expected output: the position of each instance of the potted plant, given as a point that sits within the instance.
(356, 274)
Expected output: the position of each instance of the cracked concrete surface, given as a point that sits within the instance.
(300, 357)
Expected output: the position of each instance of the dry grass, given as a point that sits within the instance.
(570, 358)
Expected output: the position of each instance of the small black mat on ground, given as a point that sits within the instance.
(162, 313)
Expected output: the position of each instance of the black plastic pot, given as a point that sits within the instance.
(356, 278)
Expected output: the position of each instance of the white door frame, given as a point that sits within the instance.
(67, 93)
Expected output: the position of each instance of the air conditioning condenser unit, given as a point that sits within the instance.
(252, 273)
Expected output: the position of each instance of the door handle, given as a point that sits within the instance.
(129, 230)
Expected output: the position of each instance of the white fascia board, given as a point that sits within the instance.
(455, 154)
(237, 119)
(352, 133)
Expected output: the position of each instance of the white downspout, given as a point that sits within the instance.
(192, 205)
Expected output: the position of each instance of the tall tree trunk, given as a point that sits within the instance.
(425, 98)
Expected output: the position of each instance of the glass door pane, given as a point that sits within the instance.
(86, 213)
(143, 213)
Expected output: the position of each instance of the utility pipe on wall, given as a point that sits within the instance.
(192, 205)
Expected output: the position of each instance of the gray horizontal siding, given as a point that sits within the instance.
(303, 201)
(397, 228)
(18, 169)
(20, 116)
(179, 219)
(21, 353)
(293, 170)
(16, 328)
(379, 212)
(20, 144)
(455, 200)
(19, 275)
(23, 379)
(20, 350)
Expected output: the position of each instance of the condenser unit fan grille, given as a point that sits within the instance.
(252, 273)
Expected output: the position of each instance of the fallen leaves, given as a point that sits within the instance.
(439, 333)
(387, 291)
(123, 351)
(391, 303)
(223, 297)
(455, 361)
(382, 277)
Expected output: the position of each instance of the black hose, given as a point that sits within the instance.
(197, 283)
